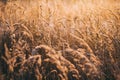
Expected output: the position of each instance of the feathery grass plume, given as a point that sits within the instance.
(58, 65)
(86, 68)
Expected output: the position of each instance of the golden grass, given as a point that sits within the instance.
(54, 22)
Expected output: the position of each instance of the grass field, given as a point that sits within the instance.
(64, 28)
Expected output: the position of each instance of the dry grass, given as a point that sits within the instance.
(73, 29)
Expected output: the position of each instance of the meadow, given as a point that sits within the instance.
(60, 40)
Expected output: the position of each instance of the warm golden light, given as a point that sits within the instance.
(59, 39)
